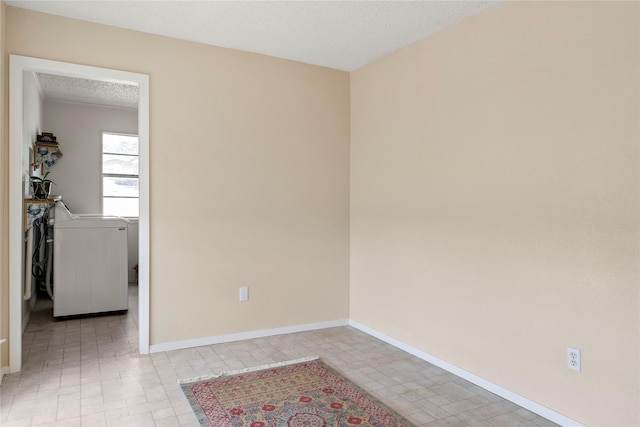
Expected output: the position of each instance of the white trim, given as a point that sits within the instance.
(144, 215)
(199, 342)
(17, 65)
(15, 213)
(116, 175)
(111, 107)
(532, 406)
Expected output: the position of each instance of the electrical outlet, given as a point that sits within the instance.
(573, 359)
(244, 294)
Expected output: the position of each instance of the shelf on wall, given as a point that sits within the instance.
(45, 154)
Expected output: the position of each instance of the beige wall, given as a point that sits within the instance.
(494, 201)
(494, 192)
(249, 176)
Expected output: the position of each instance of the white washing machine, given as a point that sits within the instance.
(89, 263)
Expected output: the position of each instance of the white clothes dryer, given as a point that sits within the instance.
(89, 263)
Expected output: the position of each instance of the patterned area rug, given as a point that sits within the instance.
(304, 394)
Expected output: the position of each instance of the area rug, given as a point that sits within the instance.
(305, 393)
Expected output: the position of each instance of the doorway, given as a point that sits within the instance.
(17, 66)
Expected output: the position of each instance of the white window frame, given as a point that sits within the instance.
(116, 175)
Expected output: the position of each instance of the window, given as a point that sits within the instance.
(120, 189)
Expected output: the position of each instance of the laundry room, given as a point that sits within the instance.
(93, 195)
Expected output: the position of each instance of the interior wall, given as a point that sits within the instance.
(494, 201)
(31, 127)
(249, 176)
(78, 174)
(79, 127)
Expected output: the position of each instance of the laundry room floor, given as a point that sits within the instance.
(87, 372)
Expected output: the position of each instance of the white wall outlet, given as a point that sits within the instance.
(244, 294)
(573, 359)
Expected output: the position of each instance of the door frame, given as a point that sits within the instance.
(17, 66)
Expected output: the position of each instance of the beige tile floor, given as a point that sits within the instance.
(86, 372)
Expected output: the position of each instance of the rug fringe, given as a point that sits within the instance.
(245, 370)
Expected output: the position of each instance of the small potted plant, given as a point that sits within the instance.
(41, 186)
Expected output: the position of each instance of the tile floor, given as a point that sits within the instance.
(86, 372)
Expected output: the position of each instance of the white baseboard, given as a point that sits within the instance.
(198, 342)
(481, 382)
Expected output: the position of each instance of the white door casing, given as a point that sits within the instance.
(17, 66)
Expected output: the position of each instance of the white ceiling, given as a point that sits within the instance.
(343, 35)
(85, 91)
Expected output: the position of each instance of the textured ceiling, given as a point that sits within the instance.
(87, 91)
(343, 35)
